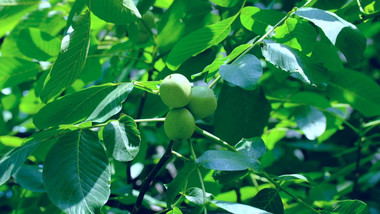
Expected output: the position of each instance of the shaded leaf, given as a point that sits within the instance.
(269, 200)
(71, 60)
(15, 70)
(356, 89)
(310, 98)
(98, 103)
(30, 178)
(248, 113)
(15, 158)
(179, 183)
(237, 208)
(122, 138)
(227, 177)
(311, 121)
(76, 173)
(198, 41)
(244, 72)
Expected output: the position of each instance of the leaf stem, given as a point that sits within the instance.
(214, 138)
(150, 120)
(199, 176)
(178, 155)
(278, 186)
(167, 155)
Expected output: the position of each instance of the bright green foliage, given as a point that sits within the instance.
(284, 115)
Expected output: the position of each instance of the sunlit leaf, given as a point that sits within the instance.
(198, 41)
(122, 139)
(97, 103)
(356, 89)
(15, 70)
(71, 60)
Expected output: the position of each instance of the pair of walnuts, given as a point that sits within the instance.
(186, 102)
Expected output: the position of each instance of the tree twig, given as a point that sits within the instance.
(145, 187)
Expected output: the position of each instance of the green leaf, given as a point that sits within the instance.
(14, 159)
(257, 20)
(37, 44)
(356, 89)
(292, 177)
(10, 16)
(237, 208)
(349, 206)
(15, 71)
(30, 177)
(17, 2)
(97, 104)
(43, 20)
(248, 113)
(244, 72)
(71, 60)
(225, 3)
(297, 34)
(195, 196)
(213, 68)
(122, 139)
(293, 62)
(341, 33)
(227, 161)
(182, 17)
(179, 183)
(269, 200)
(198, 41)
(76, 173)
(310, 98)
(253, 147)
(175, 210)
(114, 11)
(311, 121)
(228, 177)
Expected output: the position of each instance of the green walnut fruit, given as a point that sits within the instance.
(175, 91)
(179, 124)
(145, 25)
(202, 102)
